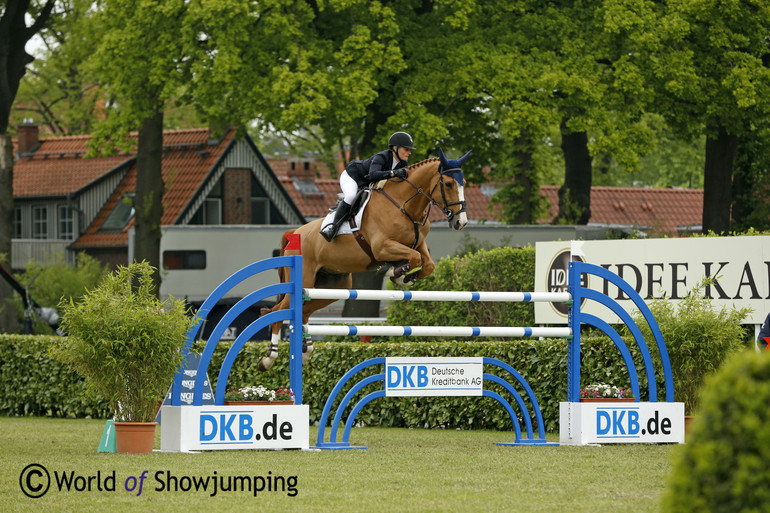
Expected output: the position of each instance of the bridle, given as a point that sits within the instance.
(419, 191)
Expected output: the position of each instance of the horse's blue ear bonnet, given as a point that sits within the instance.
(452, 167)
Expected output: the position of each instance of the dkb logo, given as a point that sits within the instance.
(558, 278)
(407, 376)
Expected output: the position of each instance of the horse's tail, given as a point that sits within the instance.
(281, 270)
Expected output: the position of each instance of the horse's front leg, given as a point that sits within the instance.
(393, 251)
(428, 265)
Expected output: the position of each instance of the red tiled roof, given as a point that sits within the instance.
(58, 168)
(662, 210)
(187, 159)
(313, 205)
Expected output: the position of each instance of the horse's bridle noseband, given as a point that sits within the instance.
(447, 211)
(419, 191)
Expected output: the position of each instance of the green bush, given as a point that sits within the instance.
(33, 383)
(39, 385)
(125, 341)
(501, 269)
(698, 339)
(49, 283)
(723, 466)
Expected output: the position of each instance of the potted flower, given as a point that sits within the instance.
(604, 392)
(259, 395)
(128, 346)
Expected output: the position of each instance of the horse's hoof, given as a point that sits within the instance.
(384, 268)
(265, 364)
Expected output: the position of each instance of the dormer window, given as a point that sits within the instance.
(121, 214)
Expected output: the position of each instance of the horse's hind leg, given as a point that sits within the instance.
(267, 361)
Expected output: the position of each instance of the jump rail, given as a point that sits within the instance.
(535, 417)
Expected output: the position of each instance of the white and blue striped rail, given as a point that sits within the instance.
(437, 295)
(437, 331)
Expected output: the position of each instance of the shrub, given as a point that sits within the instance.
(723, 466)
(501, 269)
(698, 339)
(124, 341)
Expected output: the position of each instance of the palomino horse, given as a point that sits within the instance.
(394, 226)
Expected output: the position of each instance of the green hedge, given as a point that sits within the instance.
(38, 385)
(501, 269)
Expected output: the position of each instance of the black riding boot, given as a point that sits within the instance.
(330, 230)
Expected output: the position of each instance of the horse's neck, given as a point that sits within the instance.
(421, 177)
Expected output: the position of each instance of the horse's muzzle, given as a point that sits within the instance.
(458, 222)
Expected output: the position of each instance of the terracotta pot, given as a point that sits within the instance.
(257, 403)
(688, 420)
(607, 400)
(134, 437)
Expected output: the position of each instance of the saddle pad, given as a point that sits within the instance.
(345, 228)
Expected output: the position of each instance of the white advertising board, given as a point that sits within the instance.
(616, 422)
(739, 266)
(433, 376)
(208, 428)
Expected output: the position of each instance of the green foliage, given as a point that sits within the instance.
(50, 283)
(124, 341)
(698, 339)
(37, 384)
(33, 383)
(500, 269)
(723, 466)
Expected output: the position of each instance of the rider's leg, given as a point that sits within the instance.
(349, 191)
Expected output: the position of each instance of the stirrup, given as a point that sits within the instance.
(329, 231)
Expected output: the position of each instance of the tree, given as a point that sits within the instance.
(712, 73)
(57, 92)
(142, 63)
(14, 59)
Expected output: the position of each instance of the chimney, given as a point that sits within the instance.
(303, 171)
(28, 137)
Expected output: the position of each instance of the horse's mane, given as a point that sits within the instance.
(421, 163)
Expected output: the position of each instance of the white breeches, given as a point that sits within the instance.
(349, 188)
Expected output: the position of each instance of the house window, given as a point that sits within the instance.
(260, 211)
(40, 222)
(66, 223)
(212, 211)
(184, 259)
(17, 223)
(121, 214)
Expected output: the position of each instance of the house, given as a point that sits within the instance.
(67, 203)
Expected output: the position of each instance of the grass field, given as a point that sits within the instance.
(403, 470)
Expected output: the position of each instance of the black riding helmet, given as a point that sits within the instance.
(400, 139)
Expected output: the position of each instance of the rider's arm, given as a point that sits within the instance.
(376, 171)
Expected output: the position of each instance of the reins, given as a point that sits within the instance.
(419, 191)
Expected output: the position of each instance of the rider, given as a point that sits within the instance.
(385, 164)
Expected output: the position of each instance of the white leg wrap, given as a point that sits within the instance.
(307, 351)
(267, 361)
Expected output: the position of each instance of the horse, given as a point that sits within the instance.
(393, 228)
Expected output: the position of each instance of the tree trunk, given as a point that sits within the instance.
(8, 321)
(523, 178)
(717, 180)
(575, 194)
(149, 193)
(369, 308)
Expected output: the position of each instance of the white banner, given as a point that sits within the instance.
(189, 428)
(433, 376)
(655, 268)
(616, 422)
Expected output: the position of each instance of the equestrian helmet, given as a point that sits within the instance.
(401, 139)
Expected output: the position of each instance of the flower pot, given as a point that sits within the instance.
(607, 400)
(134, 437)
(688, 420)
(257, 403)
